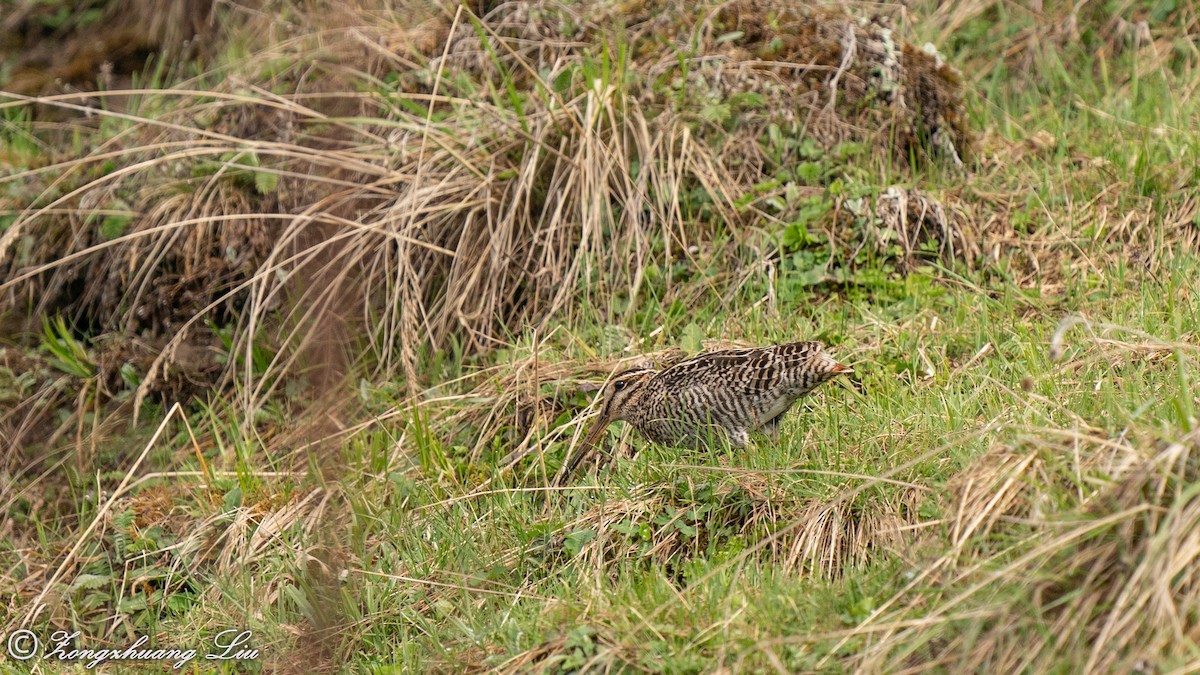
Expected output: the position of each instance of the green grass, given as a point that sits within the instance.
(680, 562)
(1006, 483)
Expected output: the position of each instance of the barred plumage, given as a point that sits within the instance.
(720, 395)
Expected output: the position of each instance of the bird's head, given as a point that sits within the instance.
(621, 395)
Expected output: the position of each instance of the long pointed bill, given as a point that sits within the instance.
(599, 426)
(585, 447)
(839, 368)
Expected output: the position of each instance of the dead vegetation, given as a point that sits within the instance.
(458, 209)
(447, 179)
(1097, 580)
(922, 227)
(97, 44)
(850, 78)
(818, 538)
(494, 170)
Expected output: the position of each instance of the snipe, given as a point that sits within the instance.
(719, 395)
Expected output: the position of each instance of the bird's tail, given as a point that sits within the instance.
(830, 365)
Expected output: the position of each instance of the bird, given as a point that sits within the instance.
(720, 396)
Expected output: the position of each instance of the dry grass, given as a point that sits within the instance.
(363, 195)
(1104, 581)
(443, 206)
(1092, 538)
(519, 166)
(819, 539)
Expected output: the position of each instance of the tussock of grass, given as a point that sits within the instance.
(482, 188)
(1102, 569)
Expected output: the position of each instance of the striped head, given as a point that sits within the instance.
(622, 395)
(623, 392)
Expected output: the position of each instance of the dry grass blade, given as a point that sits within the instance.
(449, 235)
(36, 606)
(1114, 588)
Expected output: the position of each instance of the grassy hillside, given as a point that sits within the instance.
(301, 312)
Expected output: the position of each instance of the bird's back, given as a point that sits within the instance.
(734, 389)
(756, 369)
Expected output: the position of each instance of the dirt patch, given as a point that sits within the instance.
(97, 44)
(852, 77)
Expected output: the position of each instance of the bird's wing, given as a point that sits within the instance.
(757, 367)
(744, 375)
(733, 372)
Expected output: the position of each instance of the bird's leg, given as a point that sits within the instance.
(771, 429)
(772, 426)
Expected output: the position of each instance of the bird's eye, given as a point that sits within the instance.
(619, 385)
